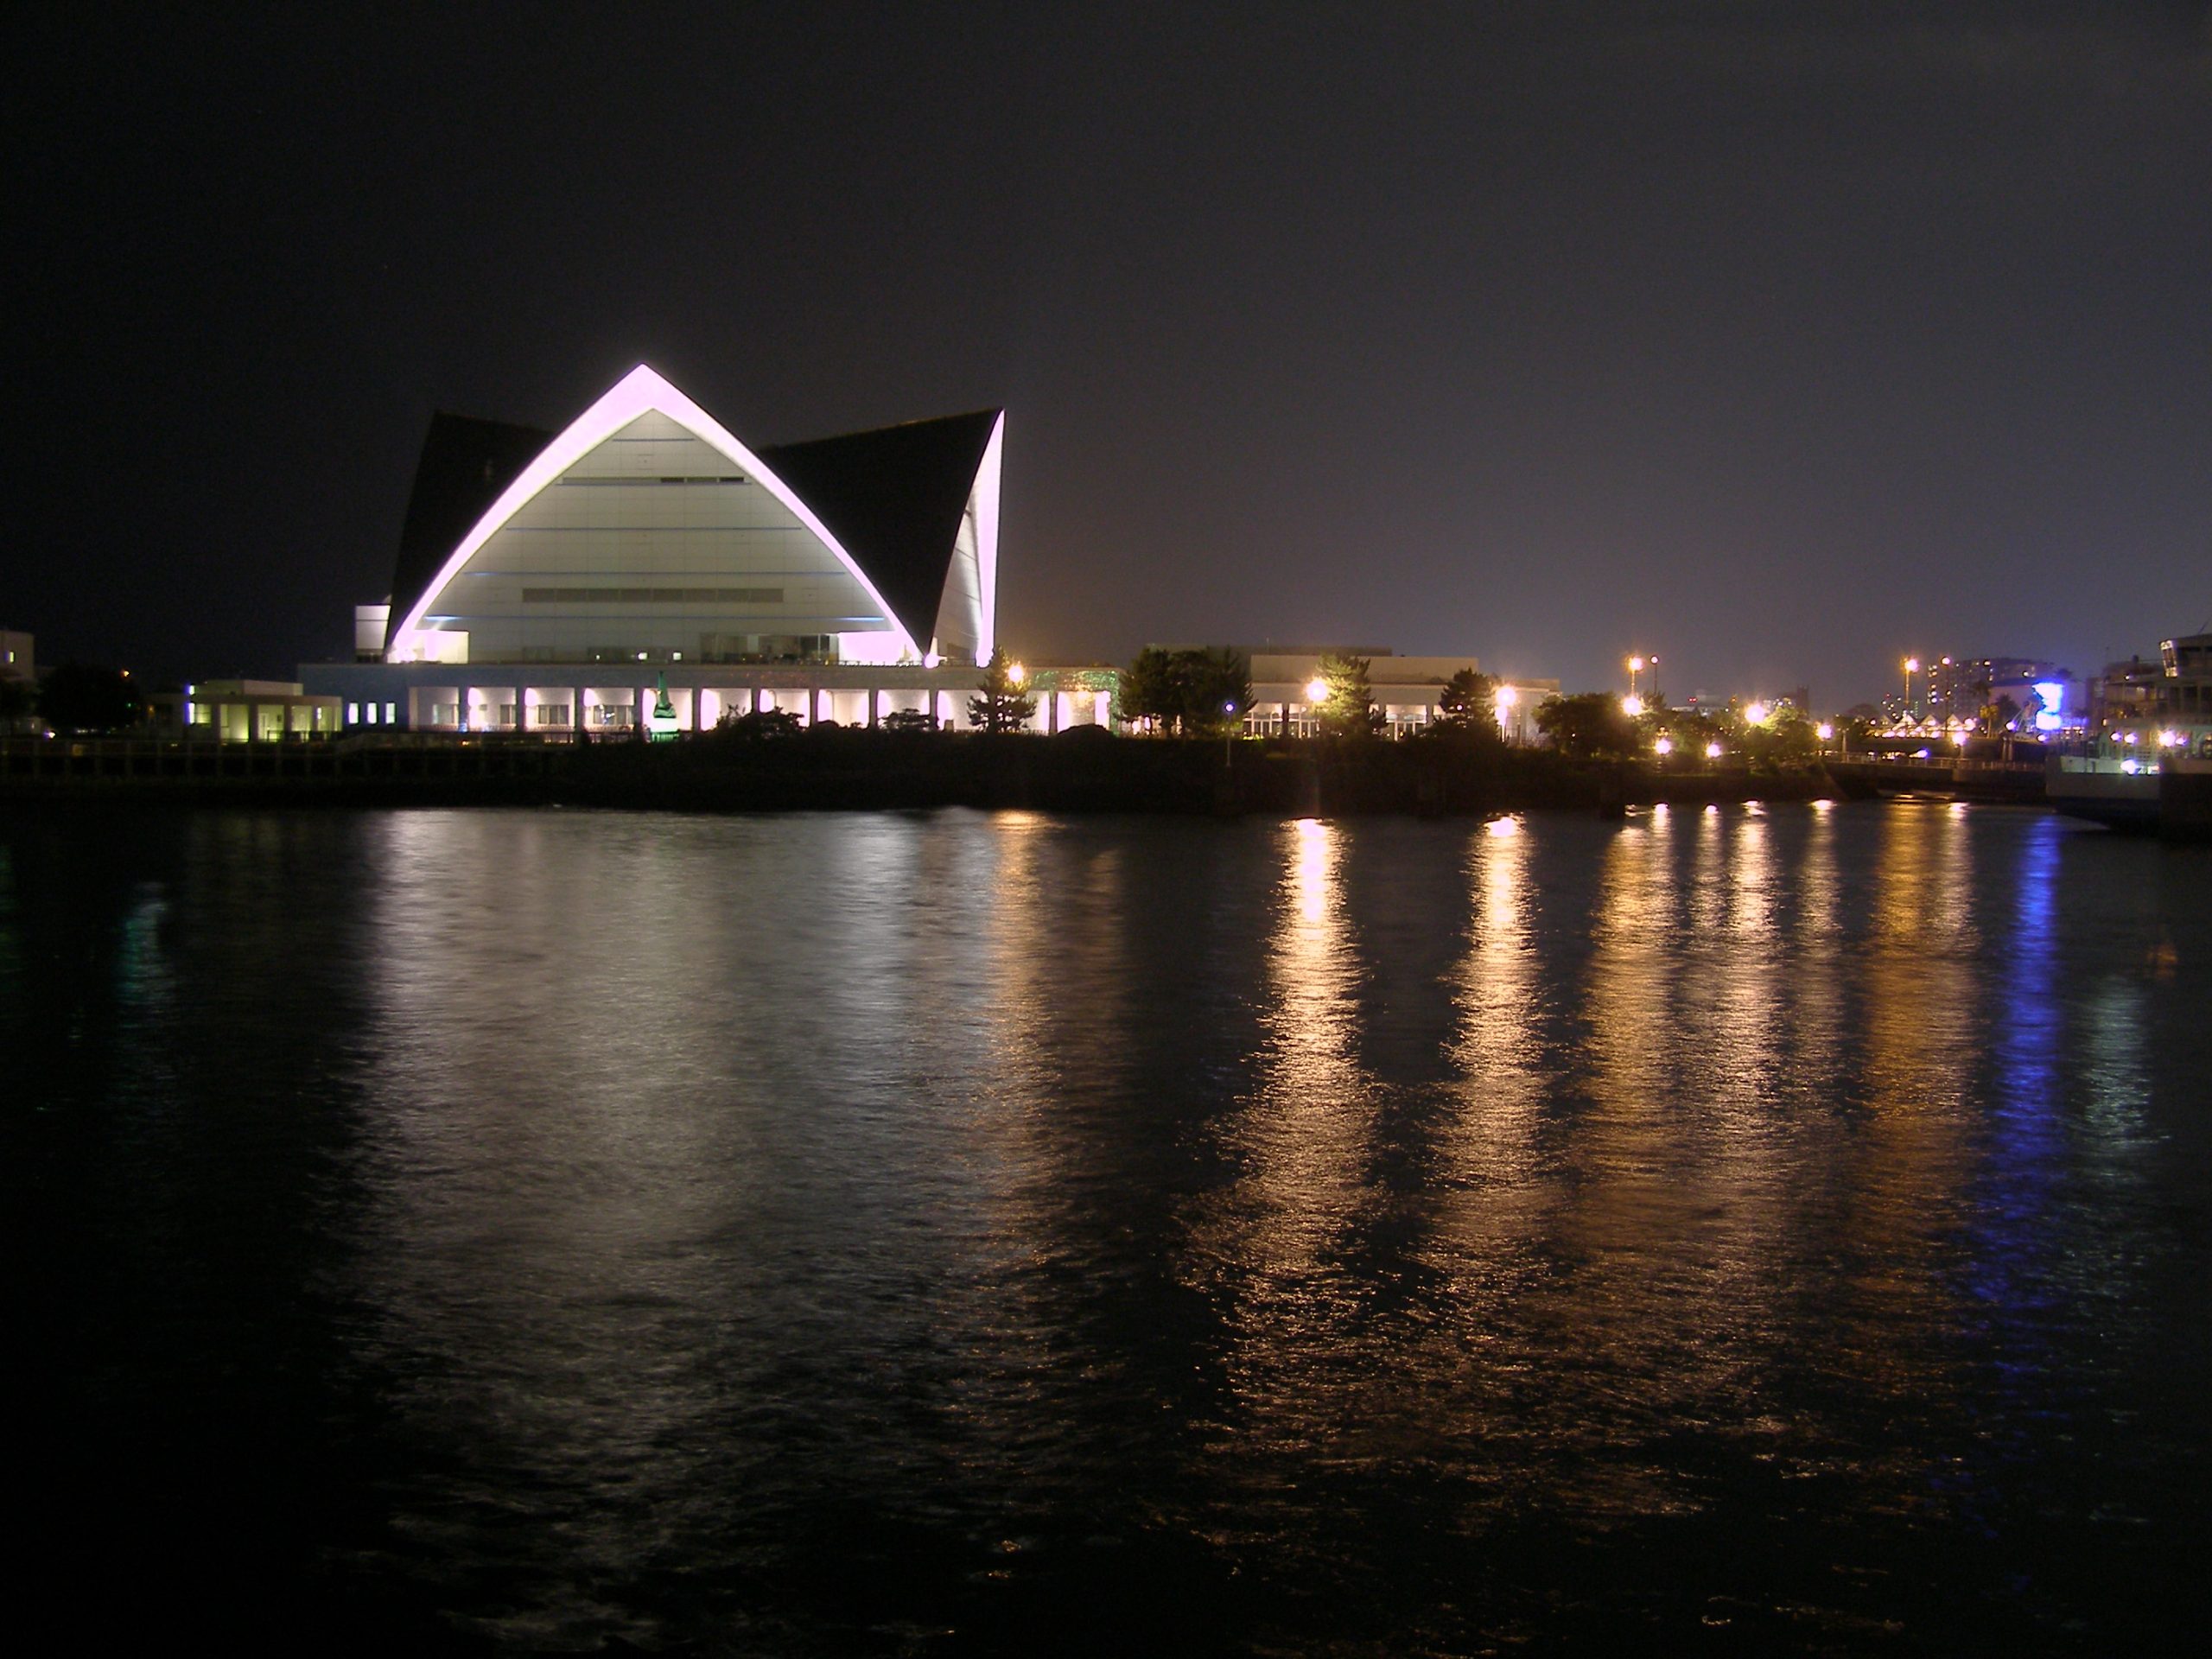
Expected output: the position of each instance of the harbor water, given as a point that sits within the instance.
(539, 1231)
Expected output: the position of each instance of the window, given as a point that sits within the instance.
(352, 714)
(445, 714)
(727, 478)
(391, 714)
(549, 713)
(506, 713)
(652, 596)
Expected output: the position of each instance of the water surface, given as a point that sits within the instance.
(511, 1231)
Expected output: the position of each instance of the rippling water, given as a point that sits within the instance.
(953, 1232)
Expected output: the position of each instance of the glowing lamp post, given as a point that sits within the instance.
(1911, 668)
(1016, 674)
(1506, 698)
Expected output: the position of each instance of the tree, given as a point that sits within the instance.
(1000, 705)
(1468, 705)
(1348, 709)
(1786, 738)
(77, 697)
(760, 724)
(1586, 726)
(1215, 692)
(1198, 693)
(1691, 731)
(1147, 695)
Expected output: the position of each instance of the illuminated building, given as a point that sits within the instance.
(243, 711)
(2138, 708)
(1407, 690)
(549, 582)
(1959, 688)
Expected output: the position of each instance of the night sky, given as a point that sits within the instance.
(1778, 339)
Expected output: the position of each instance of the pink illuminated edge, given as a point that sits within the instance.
(641, 391)
(986, 493)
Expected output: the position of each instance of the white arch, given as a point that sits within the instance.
(987, 538)
(641, 391)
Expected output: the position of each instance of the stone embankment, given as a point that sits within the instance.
(1083, 770)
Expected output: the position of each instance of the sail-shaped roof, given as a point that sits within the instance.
(910, 511)
(894, 498)
(465, 467)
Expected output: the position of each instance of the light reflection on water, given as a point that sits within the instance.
(821, 1233)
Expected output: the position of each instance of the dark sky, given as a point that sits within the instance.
(1778, 339)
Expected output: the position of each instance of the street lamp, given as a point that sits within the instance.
(1635, 668)
(1631, 705)
(1017, 674)
(1317, 691)
(1911, 668)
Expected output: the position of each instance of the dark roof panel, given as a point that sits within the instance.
(466, 464)
(892, 498)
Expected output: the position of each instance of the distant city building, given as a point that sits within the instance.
(17, 658)
(1959, 688)
(547, 582)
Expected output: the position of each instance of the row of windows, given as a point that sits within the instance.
(364, 714)
(653, 595)
(730, 478)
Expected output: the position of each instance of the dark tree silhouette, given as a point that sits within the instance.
(1002, 705)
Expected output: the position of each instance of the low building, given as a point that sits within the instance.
(1407, 690)
(17, 659)
(244, 711)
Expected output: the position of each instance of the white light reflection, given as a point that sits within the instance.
(1275, 1245)
(1917, 1045)
(1489, 1225)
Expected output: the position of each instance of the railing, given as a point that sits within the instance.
(93, 761)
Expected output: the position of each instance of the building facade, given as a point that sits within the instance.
(2144, 709)
(548, 583)
(243, 711)
(1407, 690)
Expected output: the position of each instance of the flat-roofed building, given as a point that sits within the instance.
(1408, 690)
(244, 711)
